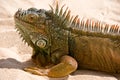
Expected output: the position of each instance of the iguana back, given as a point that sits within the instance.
(95, 45)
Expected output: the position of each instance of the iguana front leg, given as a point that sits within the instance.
(66, 66)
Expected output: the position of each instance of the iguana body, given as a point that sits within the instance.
(61, 43)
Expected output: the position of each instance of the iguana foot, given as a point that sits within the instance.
(64, 68)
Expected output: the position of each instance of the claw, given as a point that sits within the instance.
(37, 71)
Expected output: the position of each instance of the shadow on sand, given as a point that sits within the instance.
(14, 64)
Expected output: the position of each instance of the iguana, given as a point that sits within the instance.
(62, 43)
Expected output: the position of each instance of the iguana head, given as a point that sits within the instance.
(31, 25)
(43, 30)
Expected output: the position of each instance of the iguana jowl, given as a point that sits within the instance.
(62, 43)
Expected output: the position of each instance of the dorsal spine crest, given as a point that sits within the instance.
(75, 24)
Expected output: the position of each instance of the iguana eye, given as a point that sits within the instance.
(41, 43)
(32, 17)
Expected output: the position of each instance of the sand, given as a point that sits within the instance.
(15, 55)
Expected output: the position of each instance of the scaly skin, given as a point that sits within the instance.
(61, 43)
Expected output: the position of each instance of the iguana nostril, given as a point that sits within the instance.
(17, 15)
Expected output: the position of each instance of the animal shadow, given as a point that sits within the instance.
(13, 63)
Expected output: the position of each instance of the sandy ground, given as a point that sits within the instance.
(15, 55)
